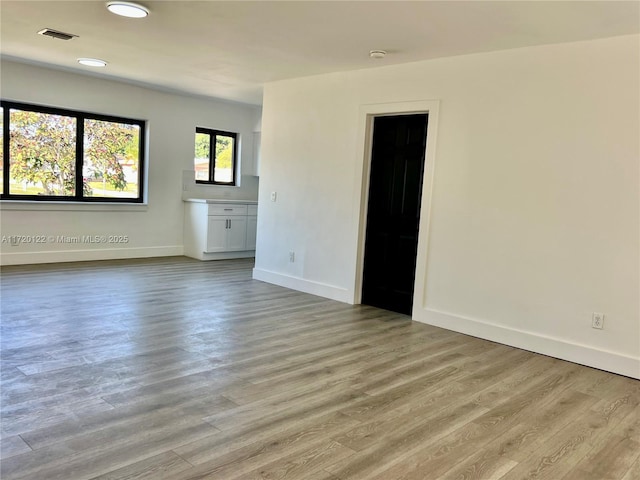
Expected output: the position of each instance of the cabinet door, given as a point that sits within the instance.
(217, 234)
(252, 227)
(237, 233)
(256, 154)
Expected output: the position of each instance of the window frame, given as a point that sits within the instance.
(213, 133)
(80, 117)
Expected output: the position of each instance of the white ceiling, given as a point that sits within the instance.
(230, 49)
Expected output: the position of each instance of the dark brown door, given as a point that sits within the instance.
(395, 188)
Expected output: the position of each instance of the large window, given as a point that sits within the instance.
(55, 154)
(215, 156)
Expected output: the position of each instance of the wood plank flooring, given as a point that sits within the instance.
(181, 370)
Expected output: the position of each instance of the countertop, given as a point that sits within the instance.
(220, 200)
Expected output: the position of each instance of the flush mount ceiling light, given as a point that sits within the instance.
(92, 62)
(128, 9)
(377, 53)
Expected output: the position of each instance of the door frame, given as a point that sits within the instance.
(366, 116)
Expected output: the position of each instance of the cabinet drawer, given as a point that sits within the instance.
(252, 209)
(227, 209)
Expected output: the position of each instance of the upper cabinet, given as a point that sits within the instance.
(256, 154)
(251, 163)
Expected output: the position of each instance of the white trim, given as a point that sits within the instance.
(206, 256)
(28, 258)
(545, 345)
(303, 285)
(37, 205)
(365, 121)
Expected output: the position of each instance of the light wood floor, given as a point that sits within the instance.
(178, 369)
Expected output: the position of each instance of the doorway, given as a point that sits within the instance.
(393, 213)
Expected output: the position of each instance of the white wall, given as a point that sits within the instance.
(534, 211)
(154, 229)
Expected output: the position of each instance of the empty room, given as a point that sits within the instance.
(320, 240)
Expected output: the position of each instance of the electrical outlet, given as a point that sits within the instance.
(292, 256)
(597, 320)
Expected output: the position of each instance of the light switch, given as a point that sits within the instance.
(274, 196)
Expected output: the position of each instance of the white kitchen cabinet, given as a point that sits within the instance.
(237, 236)
(226, 234)
(252, 226)
(256, 153)
(252, 230)
(216, 230)
(216, 234)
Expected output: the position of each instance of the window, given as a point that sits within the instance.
(215, 156)
(2, 150)
(56, 154)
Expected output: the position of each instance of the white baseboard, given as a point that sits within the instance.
(27, 258)
(554, 347)
(228, 255)
(204, 256)
(303, 285)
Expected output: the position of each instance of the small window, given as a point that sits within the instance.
(1, 150)
(215, 156)
(56, 154)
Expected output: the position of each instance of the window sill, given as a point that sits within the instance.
(216, 184)
(37, 205)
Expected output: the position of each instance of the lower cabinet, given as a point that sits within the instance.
(252, 230)
(252, 226)
(219, 230)
(226, 234)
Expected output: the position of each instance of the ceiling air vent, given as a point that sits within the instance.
(50, 32)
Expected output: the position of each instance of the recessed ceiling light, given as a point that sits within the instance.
(92, 62)
(377, 53)
(128, 9)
